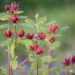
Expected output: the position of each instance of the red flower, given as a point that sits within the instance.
(34, 47)
(14, 18)
(21, 33)
(30, 35)
(53, 28)
(14, 5)
(73, 59)
(41, 36)
(8, 33)
(39, 51)
(67, 61)
(52, 39)
(6, 7)
(12, 11)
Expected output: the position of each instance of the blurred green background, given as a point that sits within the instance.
(61, 11)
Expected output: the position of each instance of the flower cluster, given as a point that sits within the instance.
(41, 36)
(69, 61)
(36, 48)
(52, 31)
(13, 18)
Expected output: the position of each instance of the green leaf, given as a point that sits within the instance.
(27, 43)
(14, 64)
(24, 24)
(22, 17)
(41, 20)
(12, 46)
(39, 62)
(31, 73)
(33, 65)
(5, 43)
(4, 16)
(45, 72)
(64, 28)
(3, 26)
(56, 70)
(36, 16)
(3, 71)
(29, 21)
(39, 72)
(55, 45)
(49, 23)
(46, 59)
(19, 12)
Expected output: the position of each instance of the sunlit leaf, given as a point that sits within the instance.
(29, 21)
(19, 12)
(12, 46)
(14, 64)
(4, 16)
(22, 17)
(25, 25)
(41, 20)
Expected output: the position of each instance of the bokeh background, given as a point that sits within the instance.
(61, 11)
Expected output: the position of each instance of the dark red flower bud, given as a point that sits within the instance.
(30, 35)
(14, 5)
(6, 7)
(53, 28)
(12, 11)
(8, 33)
(67, 61)
(21, 33)
(34, 47)
(39, 51)
(52, 39)
(41, 36)
(73, 59)
(14, 18)
(37, 46)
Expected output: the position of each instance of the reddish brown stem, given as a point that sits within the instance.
(36, 58)
(10, 68)
(37, 62)
(67, 73)
(27, 59)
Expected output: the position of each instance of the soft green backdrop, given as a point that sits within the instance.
(61, 11)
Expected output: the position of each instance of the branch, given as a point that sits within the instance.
(24, 61)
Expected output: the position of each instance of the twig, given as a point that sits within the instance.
(37, 62)
(27, 59)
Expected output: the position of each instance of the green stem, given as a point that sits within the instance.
(15, 37)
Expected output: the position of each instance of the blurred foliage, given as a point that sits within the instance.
(61, 12)
(3, 71)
